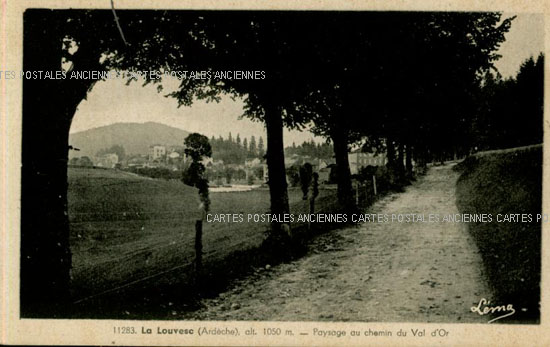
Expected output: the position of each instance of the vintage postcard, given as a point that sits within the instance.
(274, 173)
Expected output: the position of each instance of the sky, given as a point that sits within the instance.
(111, 101)
(525, 39)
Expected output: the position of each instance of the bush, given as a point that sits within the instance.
(250, 180)
(293, 175)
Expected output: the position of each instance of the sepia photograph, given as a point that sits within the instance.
(345, 168)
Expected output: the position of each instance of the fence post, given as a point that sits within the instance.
(312, 193)
(198, 251)
(374, 184)
(357, 193)
(311, 211)
(198, 244)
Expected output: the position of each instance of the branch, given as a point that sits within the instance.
(118, 23)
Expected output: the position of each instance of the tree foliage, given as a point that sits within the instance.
(510, 111)
(409, 88)
(115, 149)
(231, 152)
(311, 149)
(197, 147)
(306, 176)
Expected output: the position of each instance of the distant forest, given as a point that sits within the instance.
(236, 150)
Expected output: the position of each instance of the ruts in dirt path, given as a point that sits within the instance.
(380, 272)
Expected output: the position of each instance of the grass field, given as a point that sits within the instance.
(126, 228)
(507, 182)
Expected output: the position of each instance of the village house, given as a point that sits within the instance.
(358, 160)
(157, 152)
(108, 160)
(321, 166)
(324, 168)
(174, 156)
(136, 161)
(249, 163)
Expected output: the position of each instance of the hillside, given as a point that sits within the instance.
(134, 137)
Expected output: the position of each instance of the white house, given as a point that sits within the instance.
(358, 160)
(108, 160)
(156, 152)
(174, 155)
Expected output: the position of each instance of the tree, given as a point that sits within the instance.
(306, 175)
(245, 145)
(228, 152)
(314, 191)
(388, 102)
(293, 174)
(261, 150)
(252, 147)
(510, 111)
(436, 81)
(229, 174)
(116, 149)
(310, 149)
(287, 52)
(332, 118)
(85, 161)
(351, 53)
(197, 147)
(84, 40)
(250, 179)
(48, 108)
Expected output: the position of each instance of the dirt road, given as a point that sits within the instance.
(381, 272)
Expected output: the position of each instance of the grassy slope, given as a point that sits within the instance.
(125, 227)
(507, 182)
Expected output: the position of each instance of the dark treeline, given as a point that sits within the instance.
(311, 149)
(236, 151)
(510, 111)
(409, 84)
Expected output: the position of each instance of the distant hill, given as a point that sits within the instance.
(134, 137)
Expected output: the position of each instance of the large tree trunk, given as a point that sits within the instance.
(48, 108)
(340, 139)
(408, 162)
(421, 158)
(400, 160)
(276, 167)
(45, 251)
(392, 162)
(390, 149)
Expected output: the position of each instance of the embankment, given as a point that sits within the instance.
(507, 182)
